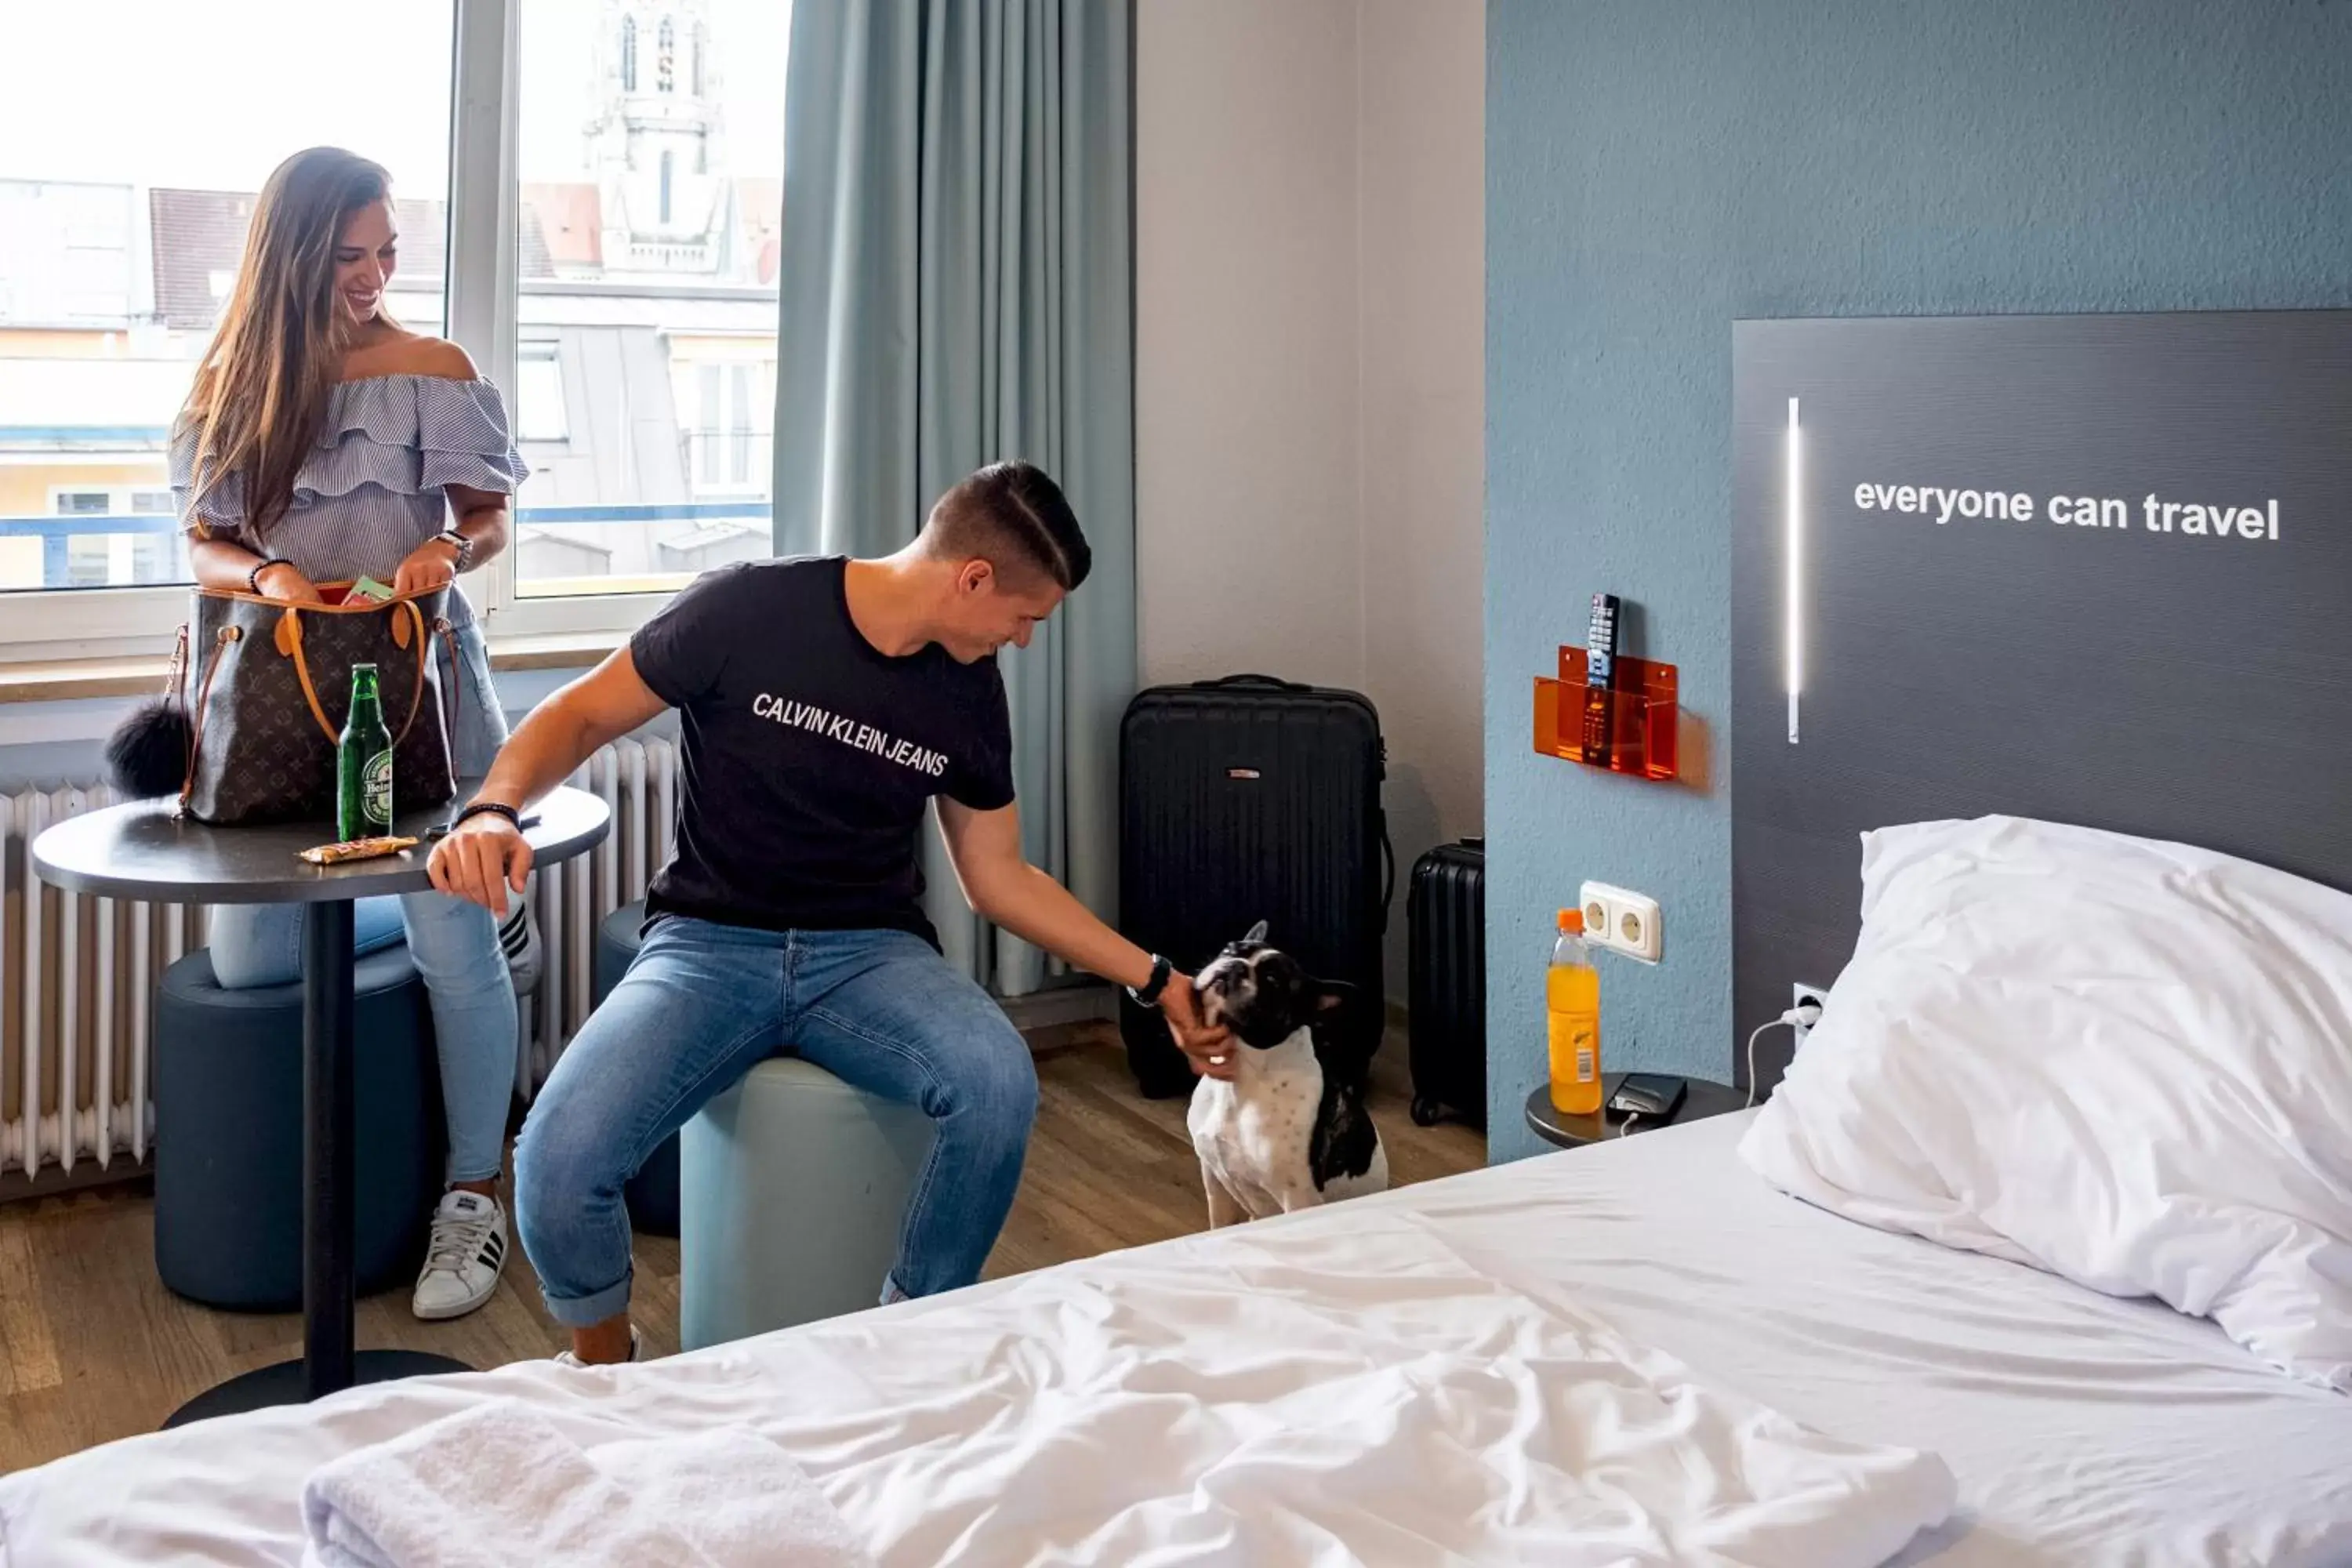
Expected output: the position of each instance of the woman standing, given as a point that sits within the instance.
(323, 442)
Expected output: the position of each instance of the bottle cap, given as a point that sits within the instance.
(1572, 921)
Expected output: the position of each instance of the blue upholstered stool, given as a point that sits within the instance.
(652, 1192)
(793, 1187)
(228, 1133)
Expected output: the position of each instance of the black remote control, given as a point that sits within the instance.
(1600, 667)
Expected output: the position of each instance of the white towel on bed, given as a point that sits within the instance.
(500, 1485)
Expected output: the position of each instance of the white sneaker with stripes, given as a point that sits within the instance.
(462, 1261)
(519, 938)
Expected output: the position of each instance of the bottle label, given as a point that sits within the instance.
(1584, 1064)
(376, 791)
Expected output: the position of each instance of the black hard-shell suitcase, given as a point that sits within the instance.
(1447, 981)
(1252, 799)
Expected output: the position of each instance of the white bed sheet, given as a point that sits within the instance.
(2083, 1430)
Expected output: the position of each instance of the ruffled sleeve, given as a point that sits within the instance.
(223, 509)
(405, 434)
(463, 438)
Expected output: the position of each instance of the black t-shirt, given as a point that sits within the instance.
(809, 753)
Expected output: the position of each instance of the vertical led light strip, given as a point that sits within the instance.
(1795, 528)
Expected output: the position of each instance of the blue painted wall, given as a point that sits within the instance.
(1655, 171)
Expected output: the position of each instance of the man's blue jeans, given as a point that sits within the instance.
(702, 1006)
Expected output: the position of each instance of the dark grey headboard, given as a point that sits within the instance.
(2175, 684)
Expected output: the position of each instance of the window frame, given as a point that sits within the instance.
(485, 303)
(482, 317)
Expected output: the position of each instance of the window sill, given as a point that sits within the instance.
(68, 679)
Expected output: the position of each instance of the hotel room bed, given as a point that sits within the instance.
(2080, 1430)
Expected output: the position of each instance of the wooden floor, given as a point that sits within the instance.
(92, 1347)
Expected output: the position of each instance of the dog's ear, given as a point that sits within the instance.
(1256, 934)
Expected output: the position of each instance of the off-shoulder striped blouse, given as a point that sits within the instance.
(371, 490)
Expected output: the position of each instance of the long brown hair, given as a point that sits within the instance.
(261, 390)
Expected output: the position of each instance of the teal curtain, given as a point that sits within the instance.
(958, 287)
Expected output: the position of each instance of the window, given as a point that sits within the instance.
(729, 446)
(120, 244)
(657, 282)
(540, 411)
(592, 257)
(738, 423)
(140, 545)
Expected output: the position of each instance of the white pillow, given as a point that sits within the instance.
(2127, 1062)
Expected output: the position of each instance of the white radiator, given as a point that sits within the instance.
(78, 974)
(638, 779)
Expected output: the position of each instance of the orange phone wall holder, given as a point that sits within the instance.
(1639, 713)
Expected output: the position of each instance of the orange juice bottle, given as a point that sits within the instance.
(1572, 1003)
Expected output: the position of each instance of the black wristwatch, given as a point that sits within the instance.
(1148, 994)
(460, 542)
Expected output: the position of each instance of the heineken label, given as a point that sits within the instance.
(376, 791)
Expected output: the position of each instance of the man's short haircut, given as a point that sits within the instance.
(1013, 517)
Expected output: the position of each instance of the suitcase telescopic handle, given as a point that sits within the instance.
(1276, 682)
(1388, 874)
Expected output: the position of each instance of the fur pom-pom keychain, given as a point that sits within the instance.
(147, 754)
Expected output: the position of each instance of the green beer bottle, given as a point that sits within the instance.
(364, 764)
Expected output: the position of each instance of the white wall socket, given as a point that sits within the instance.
(1624, 922)
(1801, 994)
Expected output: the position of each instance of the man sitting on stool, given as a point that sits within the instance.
(824, 704)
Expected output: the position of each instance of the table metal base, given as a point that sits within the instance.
(284, 1383)
(329, 1361)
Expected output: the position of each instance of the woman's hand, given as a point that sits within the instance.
(287, 585)
(432, 565)
(1209, 1048)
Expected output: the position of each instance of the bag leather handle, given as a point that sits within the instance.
(448, 635)
(289, 642)
(1276, 682)
(221, 639)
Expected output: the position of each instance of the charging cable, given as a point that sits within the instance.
(1804, 1015)
(1627, 1125)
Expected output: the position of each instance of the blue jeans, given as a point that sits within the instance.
(706, 1003)
(454, 944)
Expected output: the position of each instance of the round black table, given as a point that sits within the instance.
(1557, 1127)
(143, 851)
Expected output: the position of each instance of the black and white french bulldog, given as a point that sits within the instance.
(1291, 1131)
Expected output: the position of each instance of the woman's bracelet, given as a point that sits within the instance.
(253, 578)
(490, 808)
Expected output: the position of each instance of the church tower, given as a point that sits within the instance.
(657, 140)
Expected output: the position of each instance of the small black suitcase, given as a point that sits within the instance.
(1252, 799)
(1446, 983)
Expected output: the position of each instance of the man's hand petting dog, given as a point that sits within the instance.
(1210, 1049)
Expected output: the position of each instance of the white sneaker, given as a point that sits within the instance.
(462, 1261)
(636, 1350)
(519, 937)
